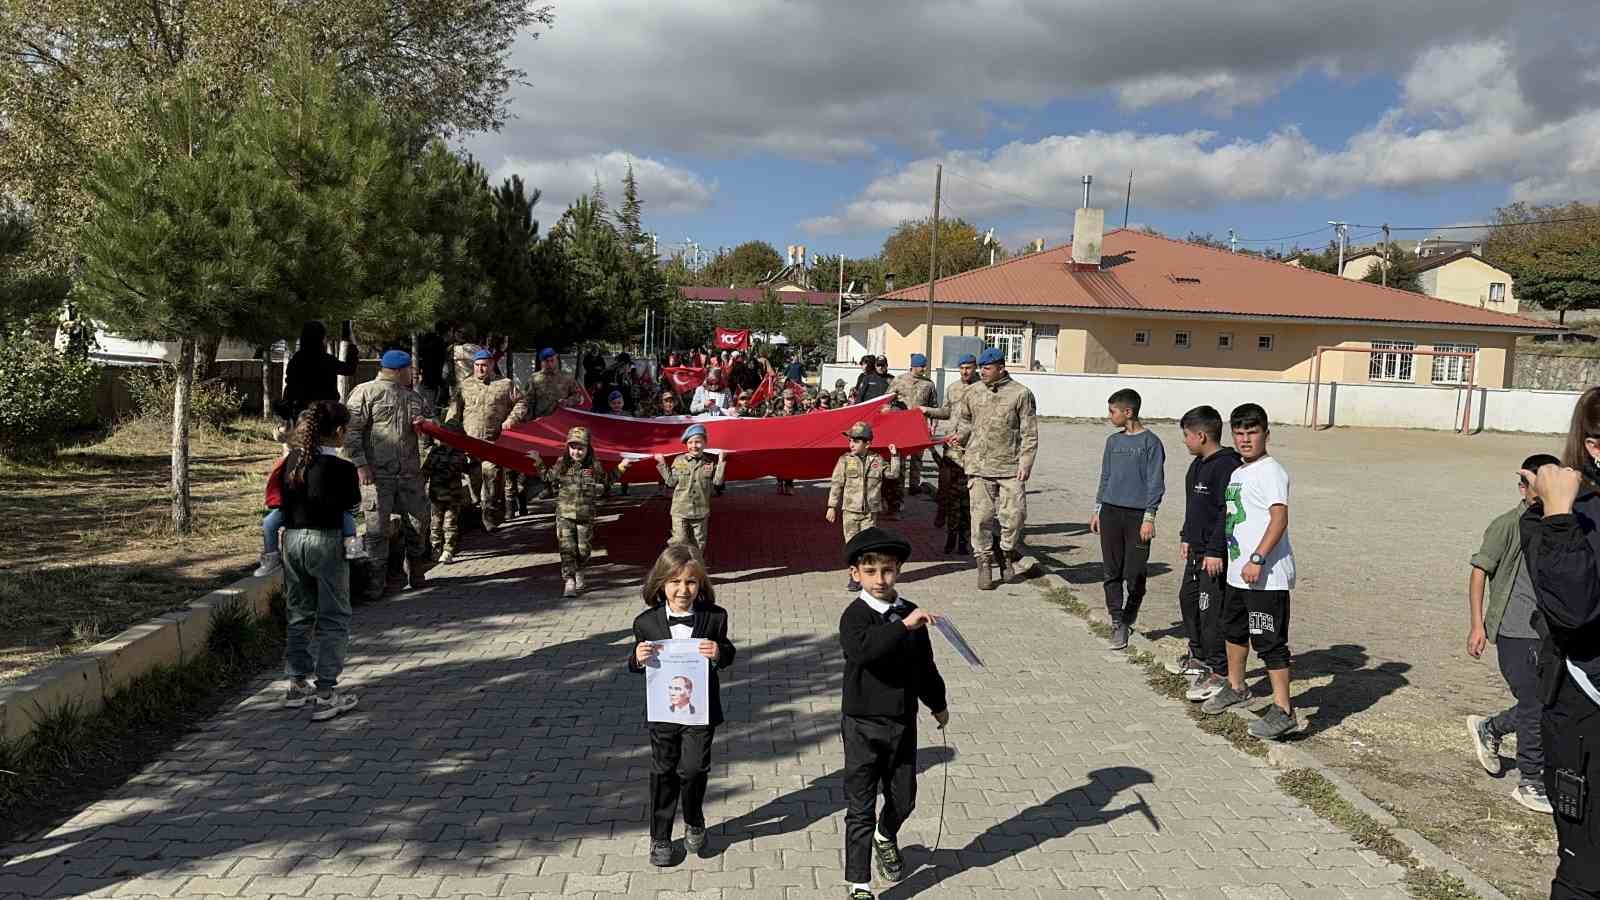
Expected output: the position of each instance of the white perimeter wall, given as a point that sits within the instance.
(1288, 402)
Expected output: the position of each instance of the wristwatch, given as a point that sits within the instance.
(1257, 559)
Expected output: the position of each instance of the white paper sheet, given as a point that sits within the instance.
(677, 684)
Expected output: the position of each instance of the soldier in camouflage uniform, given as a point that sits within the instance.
(445, 467)
(693, 477)
(997, 424)
(579, 482)
(552, 387)
(840, 395)
(954, 511)
(915, 390)
(857, 487)
(382, 443)
(486, 407)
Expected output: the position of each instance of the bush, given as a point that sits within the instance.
(210, 402)
(43, 393)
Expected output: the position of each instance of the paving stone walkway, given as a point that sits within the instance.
(499, 751)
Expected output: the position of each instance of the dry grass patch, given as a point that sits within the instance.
(86, 542)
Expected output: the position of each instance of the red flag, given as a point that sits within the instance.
(684, 379)
(763, 391)
(797, 389)
(728, 339)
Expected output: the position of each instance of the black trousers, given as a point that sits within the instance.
(1125, 559)
(880, 754)
(1572, 732)
(680, 761)
(1200, 600)
(1519, 665)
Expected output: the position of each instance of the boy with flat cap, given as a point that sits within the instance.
(857, 487)
(888, 669)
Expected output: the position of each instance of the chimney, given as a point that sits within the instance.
(888, 282)
(1038, 245)
(1088, 234)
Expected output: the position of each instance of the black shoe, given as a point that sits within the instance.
(950, 539)
(694, 839)
(660, 853)
(890, 866)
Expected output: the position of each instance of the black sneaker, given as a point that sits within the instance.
(660, 853)
(890, 865)
(694, 839)
(860, 894)
(1485, 743)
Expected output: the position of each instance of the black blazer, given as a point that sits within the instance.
(710, 624)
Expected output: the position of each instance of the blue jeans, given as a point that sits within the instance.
(316, 584)
(274, 521)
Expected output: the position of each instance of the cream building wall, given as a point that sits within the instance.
(1357, 269)
(1090, 343)
(1466, 281)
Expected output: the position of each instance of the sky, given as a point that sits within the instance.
(821, 123)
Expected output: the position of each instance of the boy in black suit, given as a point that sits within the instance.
(888, 668)
(682, 605)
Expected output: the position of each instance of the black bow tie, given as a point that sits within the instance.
(679, 620)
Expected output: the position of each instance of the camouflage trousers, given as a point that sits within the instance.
(692, 532)
(911, 471)
(857, 522)
(954, 503)
(447, 506)
(996, 501)
(393, 494)
(574, 537)
(490, 489)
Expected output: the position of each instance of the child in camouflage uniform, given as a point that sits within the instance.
(858, 480)
(693, 476)
(445, 469)
(578, 482)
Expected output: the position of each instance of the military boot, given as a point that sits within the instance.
(1006, 571)
(985, 576)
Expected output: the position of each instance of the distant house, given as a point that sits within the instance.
(1449, 270)
(1140, 304)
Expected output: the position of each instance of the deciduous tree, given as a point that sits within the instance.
(1556, 265)
(905, 252)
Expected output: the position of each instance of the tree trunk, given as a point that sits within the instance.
(205, 364)
(266, 383)
(180, 435)
(347, 383)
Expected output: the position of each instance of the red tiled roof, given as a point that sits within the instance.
(1145, 271)
(753, 295)
(1434, 262)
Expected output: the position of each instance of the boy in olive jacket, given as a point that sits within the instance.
(857, 487)
(693, 476)
(1507, 621)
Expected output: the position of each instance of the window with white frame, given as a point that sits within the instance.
(1391, 361)
(1225, 341)
(1452, 369)
(1141, 338)
(1180, 339)
(1006, 337)
(1497, 292)
(1263, 342)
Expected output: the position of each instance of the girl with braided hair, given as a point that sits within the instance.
(319, 489)
(272, 523)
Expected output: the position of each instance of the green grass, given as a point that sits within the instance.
(72, 757)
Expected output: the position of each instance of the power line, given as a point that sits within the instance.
(1485, 225)
(1287, 237)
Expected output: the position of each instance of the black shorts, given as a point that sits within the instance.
(1260, 619)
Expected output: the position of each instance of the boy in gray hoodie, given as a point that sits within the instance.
(1132, 481)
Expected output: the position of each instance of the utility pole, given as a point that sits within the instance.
(933, 262)
(1343, 230)
(838, 326)
(1127, 202)
(1385, 263)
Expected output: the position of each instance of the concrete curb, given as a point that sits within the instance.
(1288, 756)
(86, 680)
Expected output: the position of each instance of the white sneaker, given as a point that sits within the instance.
(569, 588)
(332, 705)
(271, 564)
(446, 558)
(355, 547)
(299, 693)
(577, 582)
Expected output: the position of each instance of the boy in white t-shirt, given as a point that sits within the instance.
(1255, 608)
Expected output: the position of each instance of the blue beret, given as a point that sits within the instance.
(991, 356)
(693, 430)
(395, 359)
(614, 395)
(967, 359)
(917, 359)
(482, 354)
(545, 354)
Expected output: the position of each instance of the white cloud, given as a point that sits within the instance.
(664, 188)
